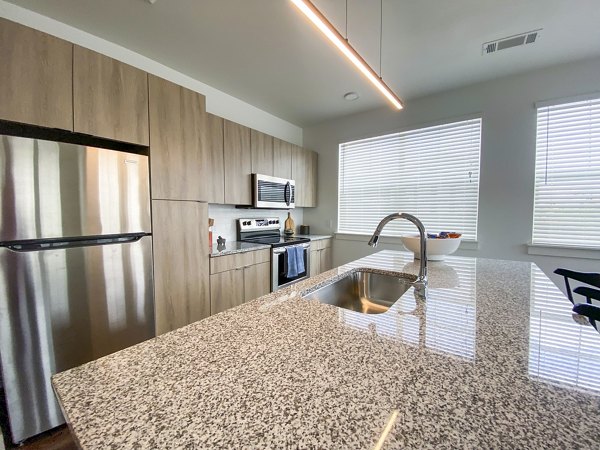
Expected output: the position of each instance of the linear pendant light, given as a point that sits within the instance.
(321, 22)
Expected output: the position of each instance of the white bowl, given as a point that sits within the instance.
(436, 248)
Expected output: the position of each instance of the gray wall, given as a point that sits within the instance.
(226, 218)
(507, 157)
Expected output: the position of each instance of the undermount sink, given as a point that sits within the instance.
(364, 291)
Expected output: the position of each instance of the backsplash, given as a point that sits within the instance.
(226, 215)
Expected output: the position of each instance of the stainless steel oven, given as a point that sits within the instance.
(279, 278)
(268, 231)
(273, 192)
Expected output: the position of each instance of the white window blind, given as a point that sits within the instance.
(431, 172)
(567, 175)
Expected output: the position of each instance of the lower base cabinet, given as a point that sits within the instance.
(320, 256)
(226, 290)
(257, 281)
(238, 278)
(181, 282)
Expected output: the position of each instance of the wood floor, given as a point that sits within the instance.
(57, 439)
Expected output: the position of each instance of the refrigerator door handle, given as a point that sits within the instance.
(36, 245)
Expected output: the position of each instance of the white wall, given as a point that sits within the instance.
(507, 159)
(217, 102)
(226, 215)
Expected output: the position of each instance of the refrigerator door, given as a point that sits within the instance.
(61, 308)
(57, 190)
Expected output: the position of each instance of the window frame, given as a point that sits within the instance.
(558, 249)
(466, 244)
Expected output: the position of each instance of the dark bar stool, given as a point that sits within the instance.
(592, 312)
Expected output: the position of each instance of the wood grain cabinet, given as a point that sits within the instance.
(304, 172)
(178, 148)
(257, 280)
(239, 278)
(110, 98)
(226, 290)
(282, 159)
(238, 163)
(261, 148)
(181, 266)
(216, 166)
(36, 83)
(320, 256)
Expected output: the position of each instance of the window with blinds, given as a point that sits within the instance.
(567, 175)
(430, 172)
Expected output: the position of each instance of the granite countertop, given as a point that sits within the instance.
(492, 359)
(232, 247)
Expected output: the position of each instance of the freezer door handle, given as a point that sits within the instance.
(36, 245)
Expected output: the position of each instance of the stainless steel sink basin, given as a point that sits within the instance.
(364, 291)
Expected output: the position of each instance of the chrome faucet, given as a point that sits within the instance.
(421, 282)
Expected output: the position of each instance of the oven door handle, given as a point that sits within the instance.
(280, 250)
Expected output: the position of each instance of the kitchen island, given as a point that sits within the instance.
(492, 359)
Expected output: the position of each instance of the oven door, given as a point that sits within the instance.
(273, 192)
(279, 278)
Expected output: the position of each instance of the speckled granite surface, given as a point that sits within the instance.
(492, 359)
(236, 247)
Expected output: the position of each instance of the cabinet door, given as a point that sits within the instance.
(178, 150)
(282, 159)
(299, 173)
(238, 164)
(226, 290)
(216, 171)
(304, 172)
(310, 191)
(257, 280)
(36, 77)
(110, 98)
(325, 259)
(315, 263)
(181, 285)
(261, 147)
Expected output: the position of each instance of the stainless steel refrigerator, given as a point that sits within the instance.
(75, 267)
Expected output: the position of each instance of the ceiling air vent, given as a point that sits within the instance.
(509, 42)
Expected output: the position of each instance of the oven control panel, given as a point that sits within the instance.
(272, 223)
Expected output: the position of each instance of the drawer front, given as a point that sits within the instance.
(239, 260)
(320, 244)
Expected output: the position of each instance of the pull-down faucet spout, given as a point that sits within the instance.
(422, 278)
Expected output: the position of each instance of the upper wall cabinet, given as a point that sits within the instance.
(282, 159)
(238, 164)
(110, 98)
(261, 146)
(178, 148)
(36, 84)
(304, 173)
(216, 183)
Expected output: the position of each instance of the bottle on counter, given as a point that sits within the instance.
(289, 226)
(211, 223)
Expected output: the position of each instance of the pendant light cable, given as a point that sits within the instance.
(346, 20)
(380, 36)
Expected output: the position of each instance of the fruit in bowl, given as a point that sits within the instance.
(438, 245)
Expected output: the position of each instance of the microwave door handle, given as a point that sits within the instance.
(287, 193)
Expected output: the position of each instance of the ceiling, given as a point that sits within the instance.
(265, 53)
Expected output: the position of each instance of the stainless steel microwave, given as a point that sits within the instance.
(273, 192)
